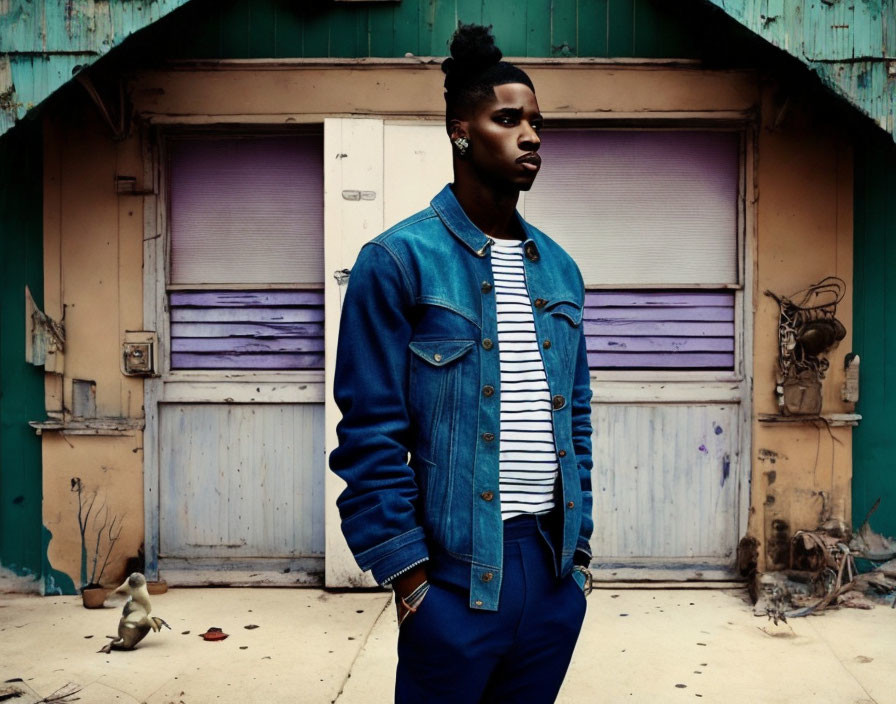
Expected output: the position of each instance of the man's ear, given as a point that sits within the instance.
(457, 128)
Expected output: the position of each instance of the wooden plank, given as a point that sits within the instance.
(621, 28)
(650, 360)
(186, 360)
(243, 299)
(246, 345)
(659, 344)
(703, 313)
(509, 23)
(316, 36)
(658, 298)
(380, 30)
(406, 28)
(538, 32)
(640, 328)
(262, 26)
(470, 11)
(247, 315)
(343, 31)
(288, 31)
(257, 330)
(235, 29)
(592, 29)
(441, 18)
(564, 27)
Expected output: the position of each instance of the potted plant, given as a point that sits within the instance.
(100, 534)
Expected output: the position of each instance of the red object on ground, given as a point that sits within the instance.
(214, 633)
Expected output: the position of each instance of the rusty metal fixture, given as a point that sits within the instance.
(807, 328)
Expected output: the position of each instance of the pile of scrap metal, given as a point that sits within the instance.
(823, 573)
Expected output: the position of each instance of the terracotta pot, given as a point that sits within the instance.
(93, 598)
(159, 587)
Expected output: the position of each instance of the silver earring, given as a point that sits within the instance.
(462, 144)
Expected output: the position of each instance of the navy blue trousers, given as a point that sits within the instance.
(448, 652)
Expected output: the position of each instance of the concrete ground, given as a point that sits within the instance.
(638, 645)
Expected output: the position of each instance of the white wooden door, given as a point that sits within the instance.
(376, 173)
(235, 422)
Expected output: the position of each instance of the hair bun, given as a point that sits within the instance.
(473, 50)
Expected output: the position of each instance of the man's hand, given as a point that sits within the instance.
(404, 585)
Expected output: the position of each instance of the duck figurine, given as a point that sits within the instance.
(135, 620)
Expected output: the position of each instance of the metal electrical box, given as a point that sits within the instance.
(139, 353)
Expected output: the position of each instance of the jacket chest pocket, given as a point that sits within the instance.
(566, 322)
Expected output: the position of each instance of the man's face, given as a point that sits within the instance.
(503, 136)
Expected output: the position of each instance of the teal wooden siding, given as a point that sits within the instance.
(252, 29)
(21, 385)
(874, 440)
(850, 45)
(44, 43)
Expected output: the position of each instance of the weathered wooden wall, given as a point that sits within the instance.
(851, 46)
(284, 29)
(21, 385)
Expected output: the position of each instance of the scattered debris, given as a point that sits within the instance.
(251, 626)
(16, 689)
(214, 633)
(823, 573)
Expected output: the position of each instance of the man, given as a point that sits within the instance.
(463, 380)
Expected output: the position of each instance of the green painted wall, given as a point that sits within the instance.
(21, 385)
(537, 28)
(874, 441)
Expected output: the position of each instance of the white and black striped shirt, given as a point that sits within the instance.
(528, 460)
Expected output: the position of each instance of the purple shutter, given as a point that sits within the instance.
(641, 208)
(247, 211)
(672, 330)
(247, 329)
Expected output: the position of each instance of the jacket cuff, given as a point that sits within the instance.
(582, 557)
(387, 560)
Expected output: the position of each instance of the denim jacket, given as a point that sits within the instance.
(418, 439)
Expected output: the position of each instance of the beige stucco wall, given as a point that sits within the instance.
(799, 230)
(804, 233)
(93, 244)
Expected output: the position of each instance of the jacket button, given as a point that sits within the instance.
(487, 343)
(486, 287)
(488, 437)
(478, 602)
(487, 576)
(487, 495)
(546, 344)
(539, 302)
(571, 504)
(488, 390)
(562, 453)
(532, 252)
(437, 357)
(558, 401)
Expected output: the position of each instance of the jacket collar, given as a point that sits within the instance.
(455, 219)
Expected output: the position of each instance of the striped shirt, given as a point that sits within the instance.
(528, 460)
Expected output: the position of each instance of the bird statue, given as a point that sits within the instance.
(135, 620)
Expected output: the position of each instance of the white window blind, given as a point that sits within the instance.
(641, 208)
(247, 211)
